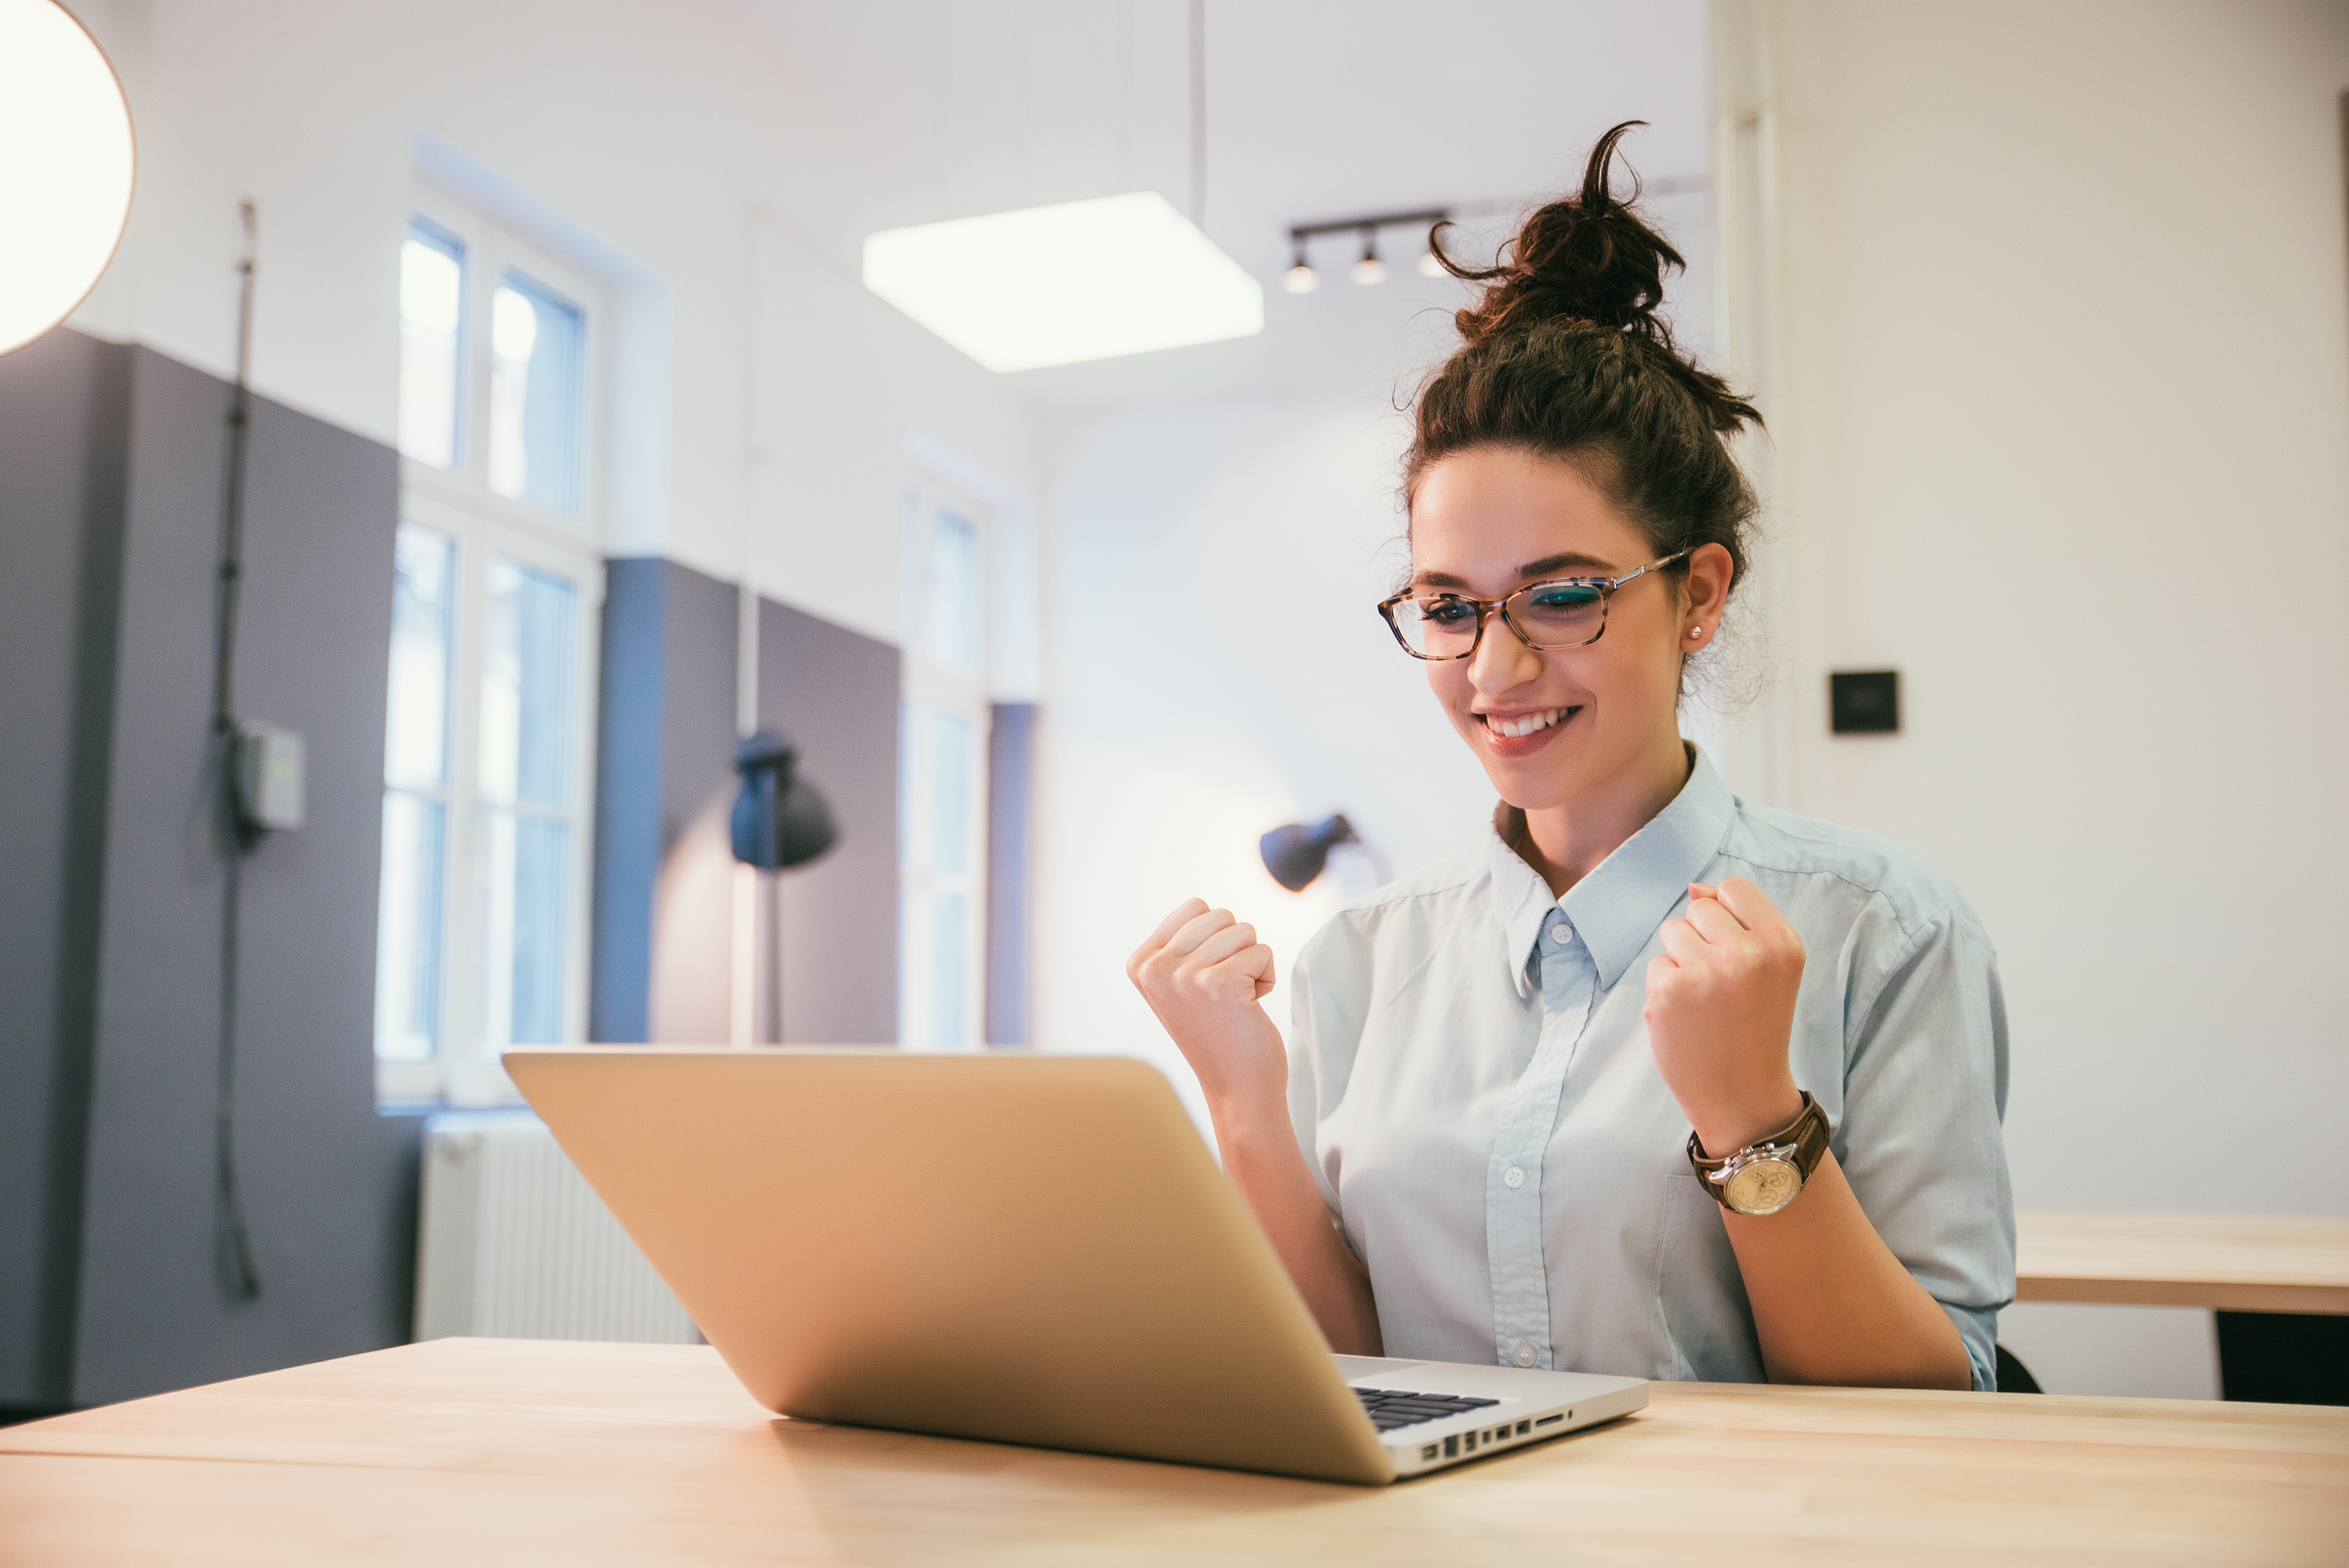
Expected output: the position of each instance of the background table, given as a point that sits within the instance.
(528, 1451)
(2278, 1283)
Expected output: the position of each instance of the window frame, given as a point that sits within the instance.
(458, 503)
(928, 687)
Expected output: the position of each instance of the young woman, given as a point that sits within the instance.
(1657, 1082)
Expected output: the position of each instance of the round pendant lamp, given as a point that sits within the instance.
(66, 164)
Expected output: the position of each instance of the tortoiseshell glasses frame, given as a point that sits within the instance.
(1558, 610)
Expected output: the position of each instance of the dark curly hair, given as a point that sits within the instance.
(1565, 355)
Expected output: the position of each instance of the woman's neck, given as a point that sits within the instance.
(1564, 843)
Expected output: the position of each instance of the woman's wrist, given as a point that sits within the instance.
(1243, 1125)
(1737, 1119)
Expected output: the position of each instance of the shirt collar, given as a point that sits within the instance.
(1626, 897)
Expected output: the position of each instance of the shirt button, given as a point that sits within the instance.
(1513, 1178)
(1525, 1356)
(1561, 934)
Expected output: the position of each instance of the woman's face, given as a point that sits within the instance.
(1552, 727)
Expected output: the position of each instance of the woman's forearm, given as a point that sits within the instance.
(1833, 1305)
(1261, 1157)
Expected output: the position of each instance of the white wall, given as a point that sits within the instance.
(670, 136)
(2064, 433)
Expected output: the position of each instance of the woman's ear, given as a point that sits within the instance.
(1707, 589)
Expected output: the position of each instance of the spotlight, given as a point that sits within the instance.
(1300, 278)
(1370, 269)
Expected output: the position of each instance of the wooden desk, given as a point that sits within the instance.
(2232, 1263)
(505, 1451)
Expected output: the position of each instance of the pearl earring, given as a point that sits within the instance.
(1696, 631)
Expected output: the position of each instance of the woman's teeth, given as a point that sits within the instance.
(1526, 723)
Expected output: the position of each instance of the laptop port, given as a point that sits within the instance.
(1430, 1451)
(1545, 1420)
(1452, 1448)
(1524, 1427)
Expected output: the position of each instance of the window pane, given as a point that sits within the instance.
(953, 615)
(416, 713)
(538, 365)
(432, 321)
(525, 876)
(949, 948)
(407, 931)
(526, 686)
(951, 794)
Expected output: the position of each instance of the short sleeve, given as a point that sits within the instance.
(1924, 1099)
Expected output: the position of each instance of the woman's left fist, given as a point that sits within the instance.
(1721, 1008)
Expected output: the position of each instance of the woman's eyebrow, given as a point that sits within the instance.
(1545, 566)
(1568, 560)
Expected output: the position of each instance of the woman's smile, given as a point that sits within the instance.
(1522, 731)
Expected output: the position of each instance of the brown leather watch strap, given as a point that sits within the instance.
(1808, 1133)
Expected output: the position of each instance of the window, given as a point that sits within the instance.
(482, 929)
(942, 785)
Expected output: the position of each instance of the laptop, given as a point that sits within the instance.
(1016, 1248)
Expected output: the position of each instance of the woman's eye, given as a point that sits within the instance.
(1563, 597)
(1445, 612)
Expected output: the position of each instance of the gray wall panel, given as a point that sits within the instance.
(627, 797)
(836, 693)
(329, 1185)
(1010, 839)
(665, 743)
(63, 427)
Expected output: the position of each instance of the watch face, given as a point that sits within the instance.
(1764, 1186)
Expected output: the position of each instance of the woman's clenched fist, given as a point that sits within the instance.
(1721, 1008)
(1205, 973)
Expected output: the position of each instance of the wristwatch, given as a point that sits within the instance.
(1763, 1177)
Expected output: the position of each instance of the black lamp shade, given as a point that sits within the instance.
(1296, 852)
(780, 820)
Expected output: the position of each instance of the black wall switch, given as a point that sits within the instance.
(1864, 703)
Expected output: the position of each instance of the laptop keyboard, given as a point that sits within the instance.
(1390, 1408)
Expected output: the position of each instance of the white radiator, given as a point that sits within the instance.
(513, 1244)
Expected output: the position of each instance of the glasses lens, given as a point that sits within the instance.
(1437, 627)
(1558, 614)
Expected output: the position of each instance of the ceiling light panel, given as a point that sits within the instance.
(1056, 286)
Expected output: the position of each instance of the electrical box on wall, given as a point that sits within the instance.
(269, 782)
(1864, 702)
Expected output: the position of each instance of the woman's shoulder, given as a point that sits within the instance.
(1465, 873)
(1917, 892)
(1441, 891)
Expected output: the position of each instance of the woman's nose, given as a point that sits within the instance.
(1501, 661)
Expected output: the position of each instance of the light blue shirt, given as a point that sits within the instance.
(1471, 1082)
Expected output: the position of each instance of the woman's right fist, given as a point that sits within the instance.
(1203, 973)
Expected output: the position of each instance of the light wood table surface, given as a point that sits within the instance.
(2232, 1263)
(515, 1451)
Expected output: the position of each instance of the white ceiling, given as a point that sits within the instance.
(1315, 109)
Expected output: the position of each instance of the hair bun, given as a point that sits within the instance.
(1586, 258)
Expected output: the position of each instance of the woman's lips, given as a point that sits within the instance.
(1521, 733)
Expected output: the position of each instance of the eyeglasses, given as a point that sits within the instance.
(1562, 613)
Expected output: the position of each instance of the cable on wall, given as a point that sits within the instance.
(238, 1268)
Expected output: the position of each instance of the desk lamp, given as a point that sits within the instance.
(1295, 853)
(780, 819)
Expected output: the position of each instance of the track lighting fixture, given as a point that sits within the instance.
(1300, 278)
